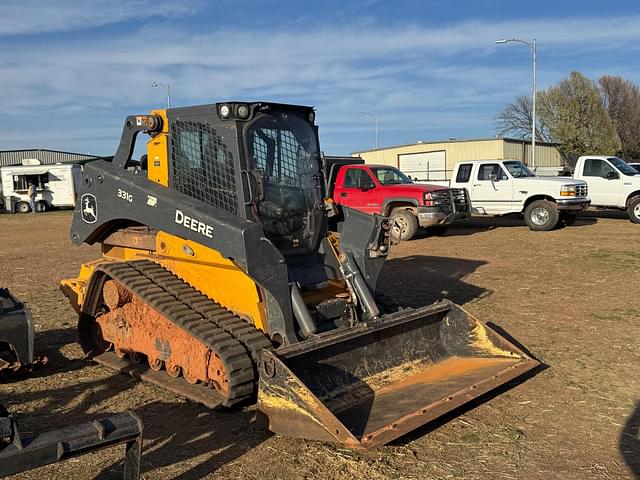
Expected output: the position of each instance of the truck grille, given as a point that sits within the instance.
(443, 199)
(582, 190)
(460, 198)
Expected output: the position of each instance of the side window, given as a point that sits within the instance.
(594, 167)
(485, 171)
(201, 165)
(357, 178)
(464, 173)
(21, 182)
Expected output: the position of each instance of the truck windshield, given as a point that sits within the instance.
(518, 169)
(623, 166)
(390, 176)
(282, 155)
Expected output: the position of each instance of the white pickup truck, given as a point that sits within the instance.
(613, 183)
(500, 187)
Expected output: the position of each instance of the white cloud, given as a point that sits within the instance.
(36, 16)
(417, 78)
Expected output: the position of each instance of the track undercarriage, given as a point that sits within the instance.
(154, 326)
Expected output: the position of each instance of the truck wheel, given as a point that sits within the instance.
(22, 207)
(634, 209)
(568, 218)
(404, 224)
(541, 215)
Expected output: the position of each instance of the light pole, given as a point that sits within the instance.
(156, 84)
(369, 114)
(532, 46)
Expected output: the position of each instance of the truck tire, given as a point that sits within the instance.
(541, 215)
(22, 207)
(404, 224)
(568, 218)
(634, 209)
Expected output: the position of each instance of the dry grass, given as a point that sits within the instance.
(569, 295)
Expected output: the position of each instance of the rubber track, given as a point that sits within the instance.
(138, 277)
(251, 338)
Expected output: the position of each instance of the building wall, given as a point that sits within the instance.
(546, 155)
(456, 151)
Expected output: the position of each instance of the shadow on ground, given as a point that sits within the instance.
(48, 344)
(629, 443)
(593, 214)
(202, 440)
(426, 279)
(485, 224)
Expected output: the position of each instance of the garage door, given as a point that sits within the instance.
(424, 166)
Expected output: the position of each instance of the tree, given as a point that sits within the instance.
(515, 120)
(621, 98)
(576, 117)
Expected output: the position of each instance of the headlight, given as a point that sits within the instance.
(568, 191)
(243, 111)
(428, 200)
(225, 111)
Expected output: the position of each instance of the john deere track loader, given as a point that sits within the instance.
(227, 275)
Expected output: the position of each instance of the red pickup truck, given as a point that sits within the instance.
(387, 191)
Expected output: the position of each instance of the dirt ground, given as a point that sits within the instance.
(570, 296)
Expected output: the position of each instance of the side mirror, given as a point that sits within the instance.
(612, 175)
(367, 186)
(493, 177)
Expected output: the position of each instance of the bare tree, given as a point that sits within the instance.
(515, 120)
(621, 98)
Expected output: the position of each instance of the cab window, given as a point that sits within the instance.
(486, 170)
(595, 167)
(357, 178)
(464, 173)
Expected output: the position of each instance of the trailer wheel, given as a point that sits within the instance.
(634, 209)
(541, 215)
(404, 224)
(22, 207)
(41, 206)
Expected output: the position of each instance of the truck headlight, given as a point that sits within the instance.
(568, 191)
(428, 200)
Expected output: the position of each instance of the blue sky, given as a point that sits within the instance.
(70, 71)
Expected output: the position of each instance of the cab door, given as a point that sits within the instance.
(492, 189)
(356, 189)
(604, 181)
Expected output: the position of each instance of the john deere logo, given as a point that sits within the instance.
(89, 208)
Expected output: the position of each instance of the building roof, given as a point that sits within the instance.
(456, 140)
(47, 157)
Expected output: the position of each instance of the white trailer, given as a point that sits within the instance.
(56, 186)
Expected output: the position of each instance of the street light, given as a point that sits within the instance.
(156, 84)
(532, 46)
(369, 114)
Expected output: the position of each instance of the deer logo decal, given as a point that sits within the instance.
(89, 208)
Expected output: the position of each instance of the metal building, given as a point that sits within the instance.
(10, 158)
(436, 160)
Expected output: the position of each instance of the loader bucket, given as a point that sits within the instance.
(373, 383)
(16, 333)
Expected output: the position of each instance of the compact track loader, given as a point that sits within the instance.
(226, 274)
